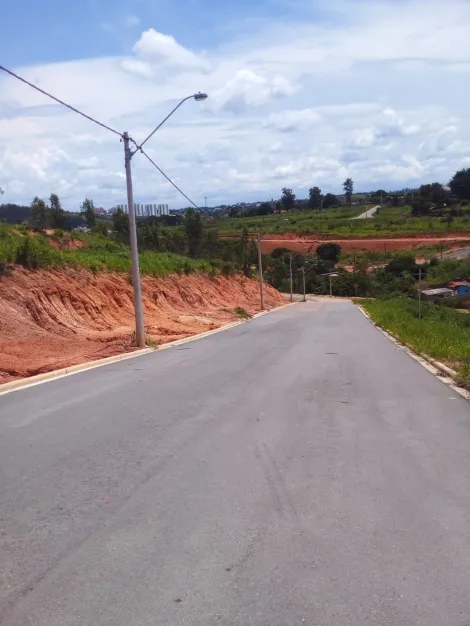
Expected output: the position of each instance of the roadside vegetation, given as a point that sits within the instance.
(441, 333)
(36, 250)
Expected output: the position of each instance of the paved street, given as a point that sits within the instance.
(297, 469)
(369, 213)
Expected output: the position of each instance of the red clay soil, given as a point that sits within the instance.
(53, 319)
(365, 244)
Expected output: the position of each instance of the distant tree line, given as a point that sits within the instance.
(191, 238)
(288, 201)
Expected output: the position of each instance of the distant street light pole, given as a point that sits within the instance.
(260, 266)
(419, 293)
(303, 281)
(260, 270)
(291, 258)
(128, 154)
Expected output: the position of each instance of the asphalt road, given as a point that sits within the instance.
(369, 213)
(297, 469)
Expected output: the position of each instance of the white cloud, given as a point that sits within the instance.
(247, 89)
(163, 49)
(373, 92)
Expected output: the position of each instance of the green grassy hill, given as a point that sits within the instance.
(337, 221)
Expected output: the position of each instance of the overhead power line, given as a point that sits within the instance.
(168, 178)
(92, 119)
(88, 117)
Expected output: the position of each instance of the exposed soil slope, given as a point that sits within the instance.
(52, 319)
(350, 244)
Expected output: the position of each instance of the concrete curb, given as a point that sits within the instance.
(67, 371)
(32, 381)
(435, 367)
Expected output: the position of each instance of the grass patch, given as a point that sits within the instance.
(242, 313)
(442, 333)
(98, 253)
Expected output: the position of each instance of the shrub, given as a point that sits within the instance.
(227, 269)
(243, 313)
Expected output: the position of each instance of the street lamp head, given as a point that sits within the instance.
(199, 97)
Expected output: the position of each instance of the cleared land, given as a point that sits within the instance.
(368, 244)
(51, 319)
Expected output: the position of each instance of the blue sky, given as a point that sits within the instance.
(301, 93)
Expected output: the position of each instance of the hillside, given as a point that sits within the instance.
(54, 318)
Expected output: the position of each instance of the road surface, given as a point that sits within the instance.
(461, 254)
(369, 213)
(297, 469)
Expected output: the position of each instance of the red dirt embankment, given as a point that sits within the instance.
(366, 244)
(52, 319)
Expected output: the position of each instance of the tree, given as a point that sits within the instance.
(279, 252)
(460, 184)
(329, 252)
(121, 223)
(379, 196)
(314, 198)
(434, 193)
(37, 213)
(329, 200)
(348, 187)
(287, 199)
(88, 212)
(265, 208)
(101, 228)
(401, 264)
(193, 230)
(56, 212)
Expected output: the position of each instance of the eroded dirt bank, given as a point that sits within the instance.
(307, 245)
(52, 319)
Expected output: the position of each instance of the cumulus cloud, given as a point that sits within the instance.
(247, 88)
(372, 92)
(163, 49)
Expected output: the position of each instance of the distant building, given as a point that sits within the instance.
(460, 288)
(146, 210)
(437, 294)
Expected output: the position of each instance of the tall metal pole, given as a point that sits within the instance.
(303, 272)
(138, 309)
(290, 274)
(331, 286)
(419, 295)
(260, 268)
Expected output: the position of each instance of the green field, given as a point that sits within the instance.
(390, 221)
(442, 333)
(98, 253)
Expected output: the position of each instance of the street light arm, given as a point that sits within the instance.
(167, 117)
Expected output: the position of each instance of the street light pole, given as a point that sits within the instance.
(419, 294)
(290, 276)
(128, 154)
(260, 269)
(138, 307)
(303, 277)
